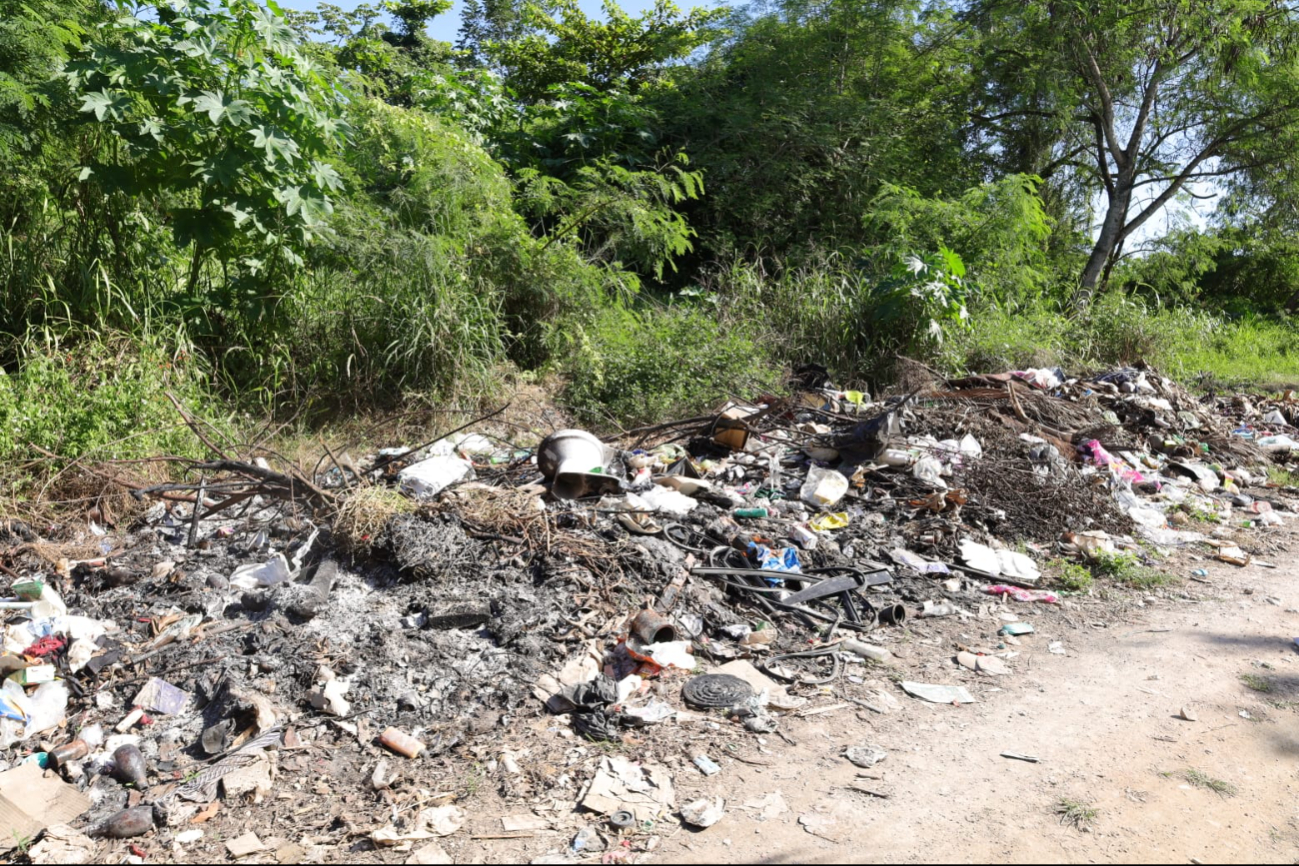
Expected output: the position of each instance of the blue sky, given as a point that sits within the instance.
(445, 26)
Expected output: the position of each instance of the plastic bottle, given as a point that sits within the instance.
(867, 651)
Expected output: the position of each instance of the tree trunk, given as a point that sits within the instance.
(1107, 241)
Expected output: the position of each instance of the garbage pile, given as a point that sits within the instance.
(424, 600)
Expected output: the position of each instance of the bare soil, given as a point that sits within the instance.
(1103, 720)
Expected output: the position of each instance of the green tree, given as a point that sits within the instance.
(1144, 98)
(413, 15)
(798, 116)
(215, 110)
(36, 38)
(561, 45)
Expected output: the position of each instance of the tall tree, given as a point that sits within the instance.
(1149, 97)
(556, 43)
(798, 115)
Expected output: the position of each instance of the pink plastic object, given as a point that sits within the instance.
(1096, 451)
(1023, 594)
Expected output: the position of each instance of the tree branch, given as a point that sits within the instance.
(1143, 114)
(1162, 199)
(1092, 71)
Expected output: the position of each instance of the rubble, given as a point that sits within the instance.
(708, 576)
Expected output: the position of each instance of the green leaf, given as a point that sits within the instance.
(275, 143)
(103, 104)
(152, 128)
(223, 169)
(313, 207)
(325, 176)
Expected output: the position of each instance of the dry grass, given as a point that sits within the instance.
(364, 515)
(514, 512)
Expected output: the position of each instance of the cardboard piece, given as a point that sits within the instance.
(644, 790)
(245, 845)
(30, 801)
(62, 845)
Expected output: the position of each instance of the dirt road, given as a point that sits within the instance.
(1102, 719)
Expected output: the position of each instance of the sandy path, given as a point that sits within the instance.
(1101, 718)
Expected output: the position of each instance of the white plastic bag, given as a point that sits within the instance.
(428, 478)
(823, 487)
(929, 469)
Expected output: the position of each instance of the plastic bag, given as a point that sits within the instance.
(929, 469)
(428, 478)
(823, 487)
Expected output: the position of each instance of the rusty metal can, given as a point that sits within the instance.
(73, 751)
(651, 627)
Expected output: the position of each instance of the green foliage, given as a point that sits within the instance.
(1256, 683)
(1001, 339)
(998, 229)
(1136, 101)
(579, 124)
(1282, 477)
(91, 394)
(799, 115)
(641, 366)
(1070, 575)
(559, 44)
(36, 38)
(620, 216)
(918, 302)
(414, 15)
(472, 99)
(1078, 814)
(882, 178)
(1126, 568)
(1200, 779)
(217, 112)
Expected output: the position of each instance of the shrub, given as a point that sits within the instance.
(634, 367)
(102, 396)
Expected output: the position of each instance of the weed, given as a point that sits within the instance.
(1126, 568)
(1200, 515)
(22, 842)
(1116, 566)
(1076, 813)
(637, 367)
(1070, 575)
(474, 779)
(1255, 682)
(365, 515)
(1203, 780)
(1282, 477)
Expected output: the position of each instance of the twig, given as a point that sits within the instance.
(189, 422)
(198, 513)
